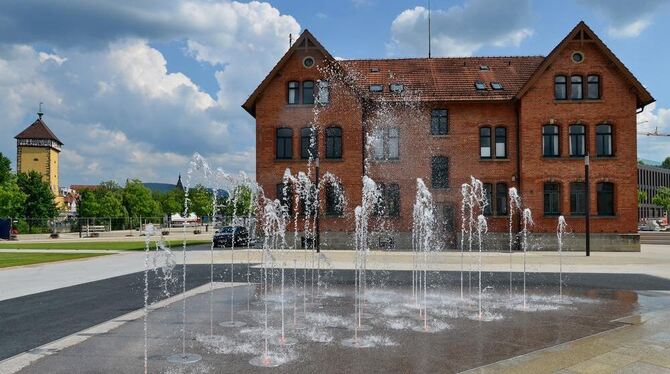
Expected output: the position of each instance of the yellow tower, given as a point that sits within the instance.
(37, 149)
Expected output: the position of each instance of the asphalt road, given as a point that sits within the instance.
(31, 321)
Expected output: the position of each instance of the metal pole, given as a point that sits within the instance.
(318, 216)
(588, 205)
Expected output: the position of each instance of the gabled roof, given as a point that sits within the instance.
(38, 130)
(250, 104)
(584, 33)
(444, 79)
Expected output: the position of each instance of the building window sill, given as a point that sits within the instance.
(494, 159)
(439, 135)
(578, 101)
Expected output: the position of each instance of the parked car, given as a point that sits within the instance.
(224, 236)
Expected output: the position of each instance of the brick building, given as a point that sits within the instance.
(516, 121)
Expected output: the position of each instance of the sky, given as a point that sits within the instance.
(134, 88)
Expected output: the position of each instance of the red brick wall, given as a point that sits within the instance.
(617, 107)
(343, 110)
(461, 145)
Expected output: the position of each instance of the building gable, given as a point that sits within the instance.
(583, 35)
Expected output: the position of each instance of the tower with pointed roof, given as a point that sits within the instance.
(38, 149)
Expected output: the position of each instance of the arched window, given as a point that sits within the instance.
(333, 142)
(388, 204)
(604, 141)
(485, 142)
(552, 199)
(577, 140)
(605, 199)
(293, 92)
(308, 92)
(501, 199)
(284, 143)
(593, 87)
(308, 143)
(501, 142)
(550, 141)
(577, 198)
(439, 175)
(285, 197)
(560, 87)
(334, 199)
(576, 87)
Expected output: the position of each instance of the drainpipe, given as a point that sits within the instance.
(518, 162)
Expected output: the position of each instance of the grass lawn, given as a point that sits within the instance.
(117, 246)
(16, 259)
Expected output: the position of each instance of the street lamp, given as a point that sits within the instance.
(588, 205)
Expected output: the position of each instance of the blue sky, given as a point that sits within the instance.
(133, 90)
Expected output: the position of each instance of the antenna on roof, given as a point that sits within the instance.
(39, 112)
(290, 40)
(429, 11)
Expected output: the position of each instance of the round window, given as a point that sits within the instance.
(577, 57)
(308, 62)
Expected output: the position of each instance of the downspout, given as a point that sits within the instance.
(517, 110)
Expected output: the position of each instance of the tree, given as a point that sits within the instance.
(239, 203)
(641, 196)
(171, 202)
(12, 199)
(666, 163)
(101, 203)
(5, 169)
(662, 198)
(40, 202)
(138, 201)
(200, 201)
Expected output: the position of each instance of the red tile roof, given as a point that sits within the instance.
(38, 130)
(444, 79)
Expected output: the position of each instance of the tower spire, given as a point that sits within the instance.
(40, 113)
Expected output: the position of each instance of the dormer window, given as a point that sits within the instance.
(397, 87)
(496, 86)
(374, 70)
(484, 68)
(376, 88)
(480, 86)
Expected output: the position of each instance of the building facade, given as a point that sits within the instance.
(650, 179)
(525, 122)
(38, 149)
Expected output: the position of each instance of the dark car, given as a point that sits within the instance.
(225, 236)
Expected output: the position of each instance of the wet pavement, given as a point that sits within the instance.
(458, 341)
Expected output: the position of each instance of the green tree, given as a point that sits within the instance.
(666, 163)
(239, 203)
(662, 198)
(12, 199)
(101, 203)
(641, 196)
(5, 169)
(200, 201)
(138, 201)
(40, 202)
(171, 202)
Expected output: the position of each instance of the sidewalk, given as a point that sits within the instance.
(640, 346)
(653, 260)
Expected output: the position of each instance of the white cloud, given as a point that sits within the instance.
(653, 119)
(113, 102)
(630, 30)
(43, 56)
(461, 30)
(628, 19)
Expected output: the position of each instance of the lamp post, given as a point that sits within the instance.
(588, 205)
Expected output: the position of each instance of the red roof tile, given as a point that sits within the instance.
(444, 79)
